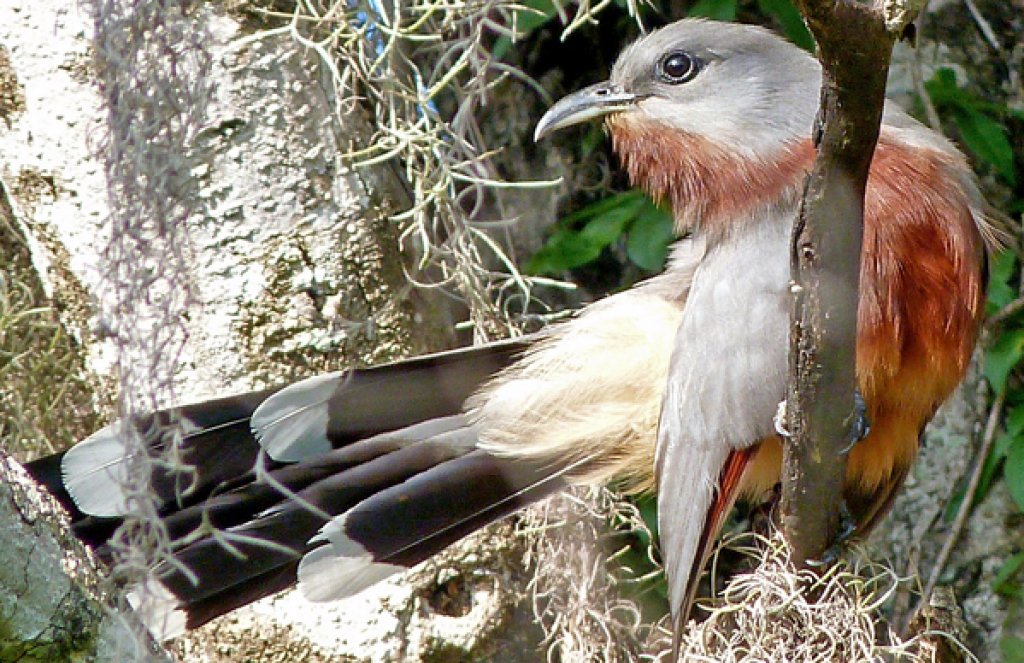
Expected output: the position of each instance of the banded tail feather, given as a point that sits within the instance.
(292, 484)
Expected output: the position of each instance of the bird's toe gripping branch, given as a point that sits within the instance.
(860, 424)
(847, 529)
(780, 421)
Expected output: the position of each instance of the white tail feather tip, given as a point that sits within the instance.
(158, 609)
(324, 576)
(291, 425)
(95, 471)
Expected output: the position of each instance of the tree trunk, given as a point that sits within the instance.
(297, 268)
(50, 586)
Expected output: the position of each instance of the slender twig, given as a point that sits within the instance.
(1003, 314)
(917, 77)
(984, 26)
(901, 603)
(991, 426)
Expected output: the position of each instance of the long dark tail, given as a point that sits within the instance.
(334, 483)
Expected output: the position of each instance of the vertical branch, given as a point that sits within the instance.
(854, 45)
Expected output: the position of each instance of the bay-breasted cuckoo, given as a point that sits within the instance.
(669, 386)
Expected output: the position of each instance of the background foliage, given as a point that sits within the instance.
(619, 229)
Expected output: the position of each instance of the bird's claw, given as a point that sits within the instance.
(780, 421)
(818, 128)
(860, 425)
(847, 528)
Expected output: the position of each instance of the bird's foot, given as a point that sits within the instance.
(780, 421)
(847, 528)
(860, 424)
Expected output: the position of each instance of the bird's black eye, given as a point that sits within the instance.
(677, 67)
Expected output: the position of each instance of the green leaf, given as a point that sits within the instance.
(582, 235)
(942, 88)
(791, 21)
(1012, 649)
(648, 507)
(603, 223)
(608, 226)
(531, 15)
(632, 200)
(605, 229)
(983, 135)
(1002, 267)
(538, 13)
(1002, 583)
(720, 10)
(649, 237)
(987, 140)
(1015, 421)
(565, 250)
(1003, 356)
(1013, 471)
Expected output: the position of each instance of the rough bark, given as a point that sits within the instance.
(854, 46)
(51, 599)
(298, 270)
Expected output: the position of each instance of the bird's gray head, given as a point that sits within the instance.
(695, 98)
(737, 84)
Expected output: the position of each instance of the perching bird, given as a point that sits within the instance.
(672, 384)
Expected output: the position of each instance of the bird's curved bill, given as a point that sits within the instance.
(589, 103)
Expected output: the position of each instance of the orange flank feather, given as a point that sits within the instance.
(922, 297)
(922, 290)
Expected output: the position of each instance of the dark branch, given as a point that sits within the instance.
(854, 47)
